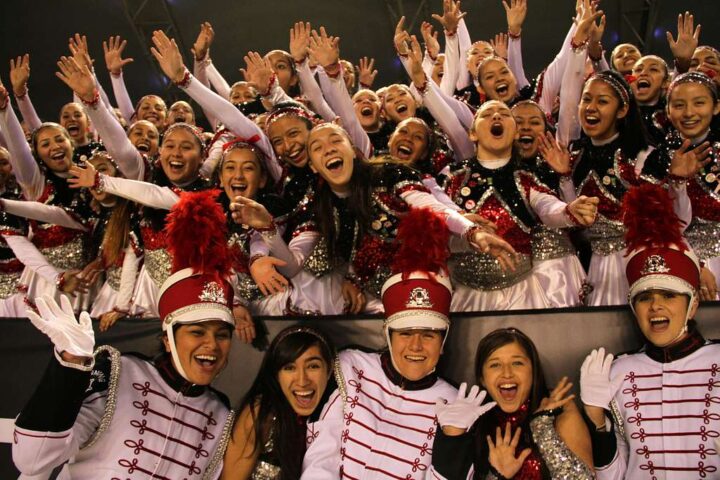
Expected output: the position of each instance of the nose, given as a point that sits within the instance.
(507, 370)
(302, 377)
(416, 342)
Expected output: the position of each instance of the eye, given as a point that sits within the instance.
(314, 366)
(290, 367)
(494, 365)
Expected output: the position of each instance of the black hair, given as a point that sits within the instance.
(270, 410)
(489, 344)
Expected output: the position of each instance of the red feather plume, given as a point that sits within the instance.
(196, 232)
(423, 237)
(650, 220)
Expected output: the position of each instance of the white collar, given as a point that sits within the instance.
(600, 143)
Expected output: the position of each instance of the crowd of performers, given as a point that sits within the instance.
(470, 189)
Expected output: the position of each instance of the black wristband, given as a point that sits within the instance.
(497, 474)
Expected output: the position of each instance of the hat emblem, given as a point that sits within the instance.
(212, 292)
(654, 264)
(419, 298)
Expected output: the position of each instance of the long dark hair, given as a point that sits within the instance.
(633, 135)
(270, 410)
(489, 344)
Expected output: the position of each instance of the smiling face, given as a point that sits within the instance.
(76, 122)
(145, 137)
(288, 136)
(416, 353)
(367, 109)
(599, 110)
(54, 148)
(706, 60)
(624, 56)
(478, 52)
(5, 167)
(348, 75)
(282, 66)
(241, 174)
(103, 165)
(180, 156)
(202, 349)
(496, 80)
(242, 92)
(409, 141)
(180, 112)
(661, 315)
(493, 131)
(691, 108)
(507, 375)
(153, 109)
(651, 79)
(438, 68)
(332, 156)
(399, 104)
(304, 380)
(530, 125)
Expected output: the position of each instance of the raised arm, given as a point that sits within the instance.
(41, 212)
(299, 45)
(515, 12)
(19, 76)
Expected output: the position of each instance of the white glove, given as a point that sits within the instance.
(66, 333)
(596, 387)
(463, 412)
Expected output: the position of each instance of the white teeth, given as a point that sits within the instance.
(176, 164)
(304, 393)
(366, 111)
(659, 319)
(294, 154)
(241, 186)
(508, 385)
(415, 358)
(405, 150)
(401, 108)
(207, 358)
(58, 156)
(334, 163)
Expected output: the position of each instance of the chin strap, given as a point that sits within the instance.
(174, 355)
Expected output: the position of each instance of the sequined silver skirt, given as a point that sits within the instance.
(68, 256)
(247, 289)
(112, 276)
(8, 284)
(482, 272)
(606, 236)
(550, 243)
(704, 238)
(157, 264)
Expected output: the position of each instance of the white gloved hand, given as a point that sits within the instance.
(463, 412)
(66, 333)
(596, 387)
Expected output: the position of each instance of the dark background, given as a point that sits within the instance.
(366, 27)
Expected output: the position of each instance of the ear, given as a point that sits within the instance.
(263, 180)
(473, 136)
(694, 306)
(338, 121)
(312, 167)
(716, 109)
(622, 113)
(166, 342)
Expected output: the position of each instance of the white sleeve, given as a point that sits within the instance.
(144, 193)
(337, 95)
(217, 81)
(127, 279)
(450, 69)
(550, 209)
(323, 456)
(449, 122)
(552, 77)
(128, 158)
(568, 128)
(31, 257)
(257, 245)
(200, 73)
(214, 155)
(276, 94)
(295, 253)
(234, 121)
(25, 167)
(464, 79)
(122, 97)
(567, 189)
(101, 91)
(681, 203)
(428, 64)
(41, 212)
(515, 61)
(457, 224)
(312, 91)
(27, 110)
(437, 192)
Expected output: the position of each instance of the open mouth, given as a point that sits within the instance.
(508, 391)
(689, 124)
(526, 140)
(402, 108)
(502, 89)
(143, 147)
(334, 164)
(404, 151)
(238, 188)
(659, 324)
(180, 119)
(151, 117)
(58, 156)
(295, 156)
(176, 166)
(73, 129)
(366, 112)
(207, 362)
(304, 398)
(592, 120)
(415, 358)
(497, 129)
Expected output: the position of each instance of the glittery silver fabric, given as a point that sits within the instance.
(606, 236)
(112, 275)
(217, 458)
(375, 283)
(482, 272)
(559, 459)
(704, 238)
(68, 256)
(265, 471)
(318, 262)
(8, 284)
(550, 243)
(111, 399)
(157, 264)
(247, 289)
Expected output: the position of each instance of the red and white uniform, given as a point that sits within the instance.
(669, 406)
(161, 427)
(383, 428)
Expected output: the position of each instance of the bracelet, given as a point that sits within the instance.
(94, 102)
(470, 232)
(352, 278)
(514, 36)
(677, 180)
(365, 85)
(548, 413)
(60, 282)
(333, 70)
(254, 258)
(185, 80)
(497, 474)
(574, 220)
(301, 61)
(423, 88)
(115, 75)
(268, 232)
(450, 34)
(99, 183)
(578, 46)
(271, 82)
(22, 95)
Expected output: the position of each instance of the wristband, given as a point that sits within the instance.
(576, 47)
(99, 183)
(423, 88)
(269, 86)
(94, 102)
(254, 259)
(185, 80)
(514, 36)
(22, 95)
(450, 34)
(572, 217)
(497, 474)
(333, 70)
(548, 413)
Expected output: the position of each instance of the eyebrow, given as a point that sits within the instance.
(313, 358)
